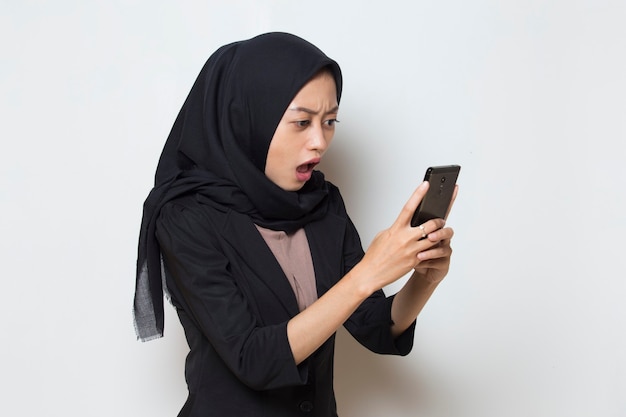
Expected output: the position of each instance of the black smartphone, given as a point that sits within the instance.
(435, 203)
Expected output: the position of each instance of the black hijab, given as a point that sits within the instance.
(218, 146)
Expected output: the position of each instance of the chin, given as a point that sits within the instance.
(297, 187)
(291, 185)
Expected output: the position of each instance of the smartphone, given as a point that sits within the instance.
(435, 203)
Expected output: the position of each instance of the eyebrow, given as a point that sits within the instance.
(313, 112)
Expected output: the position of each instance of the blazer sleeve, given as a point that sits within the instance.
(198, 272)
(371, 323)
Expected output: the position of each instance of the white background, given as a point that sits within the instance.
(528, 96)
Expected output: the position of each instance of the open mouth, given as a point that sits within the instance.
(305, 170)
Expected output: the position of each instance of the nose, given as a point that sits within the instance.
(319, 139)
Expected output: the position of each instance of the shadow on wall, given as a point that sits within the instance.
(372, 385)
(368, 384)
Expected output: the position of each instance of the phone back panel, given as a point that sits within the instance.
(435, 204)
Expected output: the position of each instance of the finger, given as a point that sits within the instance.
(406, 214)
(427, 263)
(456, 191)
(437, 252)
(430, 226)
(442, 234)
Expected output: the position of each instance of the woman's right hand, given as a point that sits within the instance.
(393, 252)
(391, 255)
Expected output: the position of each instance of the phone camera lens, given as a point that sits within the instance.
(443, 179)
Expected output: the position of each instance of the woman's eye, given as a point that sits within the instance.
(307, 123)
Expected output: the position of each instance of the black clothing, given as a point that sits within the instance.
(230, 292)
(218, 146)
(234, 302)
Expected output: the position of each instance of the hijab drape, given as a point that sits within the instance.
(218, 146)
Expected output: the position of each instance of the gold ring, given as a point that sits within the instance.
(423, 229)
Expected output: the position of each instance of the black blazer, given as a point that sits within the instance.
(234, 303)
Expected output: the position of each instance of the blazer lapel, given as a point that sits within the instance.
(245, 239)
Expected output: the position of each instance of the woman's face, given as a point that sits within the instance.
(303, 134)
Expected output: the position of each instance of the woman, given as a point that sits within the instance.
(258, 254)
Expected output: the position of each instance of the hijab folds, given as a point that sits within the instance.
(218, 146)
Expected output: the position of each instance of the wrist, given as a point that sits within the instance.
(425, 278)
(360, 282)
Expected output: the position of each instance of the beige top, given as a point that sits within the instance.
(292, 252)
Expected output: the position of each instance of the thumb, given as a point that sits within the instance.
(406, 214)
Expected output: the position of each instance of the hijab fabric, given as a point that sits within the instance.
(217, 150)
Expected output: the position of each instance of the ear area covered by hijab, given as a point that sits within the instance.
(218, 146)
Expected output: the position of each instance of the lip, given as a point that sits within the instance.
(305, 170)
(312, 162)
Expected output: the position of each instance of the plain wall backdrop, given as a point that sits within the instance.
(528, 96)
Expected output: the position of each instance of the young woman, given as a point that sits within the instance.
(255, 247)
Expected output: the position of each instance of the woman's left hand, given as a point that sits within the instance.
(434, 263)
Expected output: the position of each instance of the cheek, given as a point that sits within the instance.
(280, 156)
(329, 138)
(277, 160)
(286, 150)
